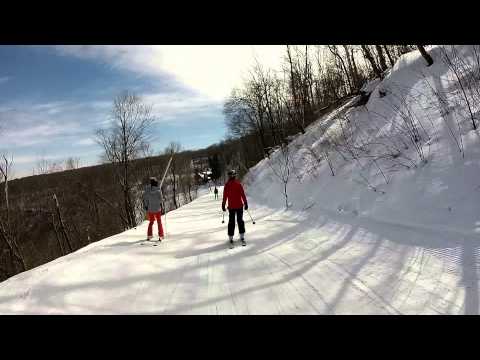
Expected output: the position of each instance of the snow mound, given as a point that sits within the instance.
(380, 171)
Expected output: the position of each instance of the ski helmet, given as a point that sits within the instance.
(232, 173)
(153, 181)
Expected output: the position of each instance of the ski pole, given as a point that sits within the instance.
(253, 221)
(165, 235)
(165, 173)
(223, 218)
(165, 213)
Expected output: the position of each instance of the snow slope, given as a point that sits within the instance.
(412, 246)
(294, 263)
(441, 194)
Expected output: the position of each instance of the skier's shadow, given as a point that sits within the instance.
(125, 243)
(211, 249)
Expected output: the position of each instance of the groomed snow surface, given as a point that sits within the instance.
(412, 246)
(293, 264)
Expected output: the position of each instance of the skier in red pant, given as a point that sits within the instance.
(152, 203)
(237, 201)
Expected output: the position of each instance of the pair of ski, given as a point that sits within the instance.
(152, 242)
(231, 244)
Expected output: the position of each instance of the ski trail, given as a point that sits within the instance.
(292, 264)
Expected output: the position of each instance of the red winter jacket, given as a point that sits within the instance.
(233, 192)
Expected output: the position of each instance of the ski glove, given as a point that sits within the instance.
(246, 206)
(223, 208)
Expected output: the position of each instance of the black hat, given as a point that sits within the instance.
(153, 181)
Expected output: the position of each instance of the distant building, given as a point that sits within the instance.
(201, 167)
(200, 163)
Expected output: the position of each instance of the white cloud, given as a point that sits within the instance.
(33, 159)
(169, 107)
(25, 159)
(211, 70)
(85, 142)
(26, 124)
(35, 134)
(215, 70)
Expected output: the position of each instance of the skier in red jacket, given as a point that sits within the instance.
(233, 192)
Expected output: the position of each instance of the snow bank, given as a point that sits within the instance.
(441, 192)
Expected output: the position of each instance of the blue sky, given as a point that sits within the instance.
(53, 98)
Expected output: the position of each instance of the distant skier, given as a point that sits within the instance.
(233, 192)
(216, 192)
(153, 204)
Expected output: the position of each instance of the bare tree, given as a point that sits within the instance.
(368, 55)
(55, 166)
(455, 64)
(7, 233)
(356, 82)
(330, 82)
(172, 149)
(72, 163)
(186, 178)
(61, 225)
(124, 141)
(281, 166)
(333, 49)
(42, 165)
(390, 58)
(425, 55)
(381, 57)
(293, 86)
(5, 172)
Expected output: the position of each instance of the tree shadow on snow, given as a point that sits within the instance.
(186, 273)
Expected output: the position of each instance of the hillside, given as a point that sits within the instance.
(386, 178)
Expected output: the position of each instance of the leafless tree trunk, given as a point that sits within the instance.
(352, 66)
(5, 168)
(6, 229)
(389, 55)
(282, 167)
(425, 55)
(381, 57)
(368, 55)
(62, 223)
(57, 235)
(72, 163)
(43, 165)
(333, 49)
(294, 85)
(457, 71)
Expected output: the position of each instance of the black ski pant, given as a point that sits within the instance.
(231, 221)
